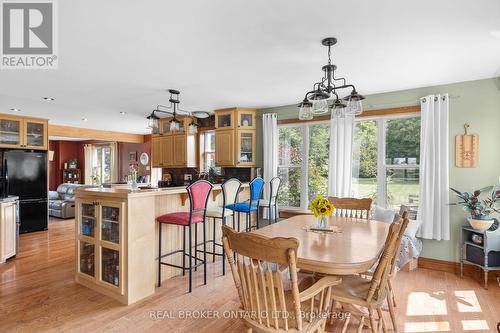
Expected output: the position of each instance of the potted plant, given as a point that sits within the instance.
(480, 209)
(322, 208)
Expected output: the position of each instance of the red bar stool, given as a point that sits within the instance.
(198, 193)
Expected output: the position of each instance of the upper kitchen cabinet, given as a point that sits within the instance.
(235, 137)
(174, 149)
(23, 132)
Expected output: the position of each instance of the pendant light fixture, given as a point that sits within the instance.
(174, 123)
(324, 98)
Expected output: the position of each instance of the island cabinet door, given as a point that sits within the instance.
(86, 232)
(111, 238)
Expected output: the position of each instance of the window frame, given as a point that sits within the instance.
(382, 166)
(304, 181)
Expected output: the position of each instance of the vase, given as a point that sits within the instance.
(481, 223)
(321, 222)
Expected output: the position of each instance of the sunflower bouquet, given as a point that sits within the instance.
(321, 207)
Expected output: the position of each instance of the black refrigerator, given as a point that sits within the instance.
(25, 176)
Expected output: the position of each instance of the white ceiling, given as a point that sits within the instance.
(122, 55)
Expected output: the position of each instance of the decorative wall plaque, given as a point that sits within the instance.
(467, 149)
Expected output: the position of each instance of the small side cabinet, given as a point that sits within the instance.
(8, 233)
(482, 249)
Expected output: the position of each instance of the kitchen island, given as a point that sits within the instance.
(116, 238)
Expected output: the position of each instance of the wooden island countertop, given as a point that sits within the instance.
(117, 237)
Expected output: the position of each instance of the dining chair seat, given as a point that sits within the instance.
(242, 207)
(353, 287)
(217, 212)
(179, 218)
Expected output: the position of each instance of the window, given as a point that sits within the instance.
(102, 163)
(386, 161)
(207, 149)
(303, 163)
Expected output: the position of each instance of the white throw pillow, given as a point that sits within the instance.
(383, 215)
(412, 228)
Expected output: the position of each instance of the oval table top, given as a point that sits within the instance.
(353, 248)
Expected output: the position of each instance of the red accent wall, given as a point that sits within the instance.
(63, 152)
(124, 150)
(67, 150)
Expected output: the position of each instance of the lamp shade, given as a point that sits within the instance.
(305, 110)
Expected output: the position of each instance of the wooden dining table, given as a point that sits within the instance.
(352, 248)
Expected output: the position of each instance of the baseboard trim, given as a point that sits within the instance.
(454, 267)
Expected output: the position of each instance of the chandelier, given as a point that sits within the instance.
(173, 111)
(324, 97)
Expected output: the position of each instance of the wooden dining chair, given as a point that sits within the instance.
(352, 207)
(260, 267)
(370, 293)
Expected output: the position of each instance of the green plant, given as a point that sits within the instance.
(479, 209)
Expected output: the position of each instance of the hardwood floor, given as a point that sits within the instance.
(38, 294)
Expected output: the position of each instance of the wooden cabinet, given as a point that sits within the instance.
(99, 246)
(23, 132)
(235, 137)
(174, 149)
(224, 147)
(8, 234)
(245, 148)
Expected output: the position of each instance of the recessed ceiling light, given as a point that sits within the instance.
(16, 110)
(49, 98)
(123, 113)
(84, 119)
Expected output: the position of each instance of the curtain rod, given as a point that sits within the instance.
(404, 103)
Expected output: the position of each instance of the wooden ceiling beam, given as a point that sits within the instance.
(93, 134)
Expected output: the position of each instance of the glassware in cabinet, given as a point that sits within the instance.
(246, 147)
(110, 266)
(88, 220)
(87, 254)
(10, 132)
(35, 134)
(110, 224)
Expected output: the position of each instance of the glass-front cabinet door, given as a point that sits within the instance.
(111, 244)
(35, 132)
(246, 147)
(10, 132)
(86, 232)
(224, 119)
(246, 119)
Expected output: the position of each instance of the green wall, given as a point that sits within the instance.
(473, 102)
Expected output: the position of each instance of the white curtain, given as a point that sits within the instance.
(87, 152)
(340, 161)
(434, 183)
(114, 161)
(270, 142)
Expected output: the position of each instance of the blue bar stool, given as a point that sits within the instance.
(272, 203)
(256, 186)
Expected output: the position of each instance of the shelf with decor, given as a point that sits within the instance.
(235, 137)
(73, 176)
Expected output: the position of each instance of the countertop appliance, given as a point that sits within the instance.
(24, 174)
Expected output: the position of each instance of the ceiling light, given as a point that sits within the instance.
(174, 123)
(49, 98)
(84, 119)
(317, 100)
(15, 110)
(123, 113)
